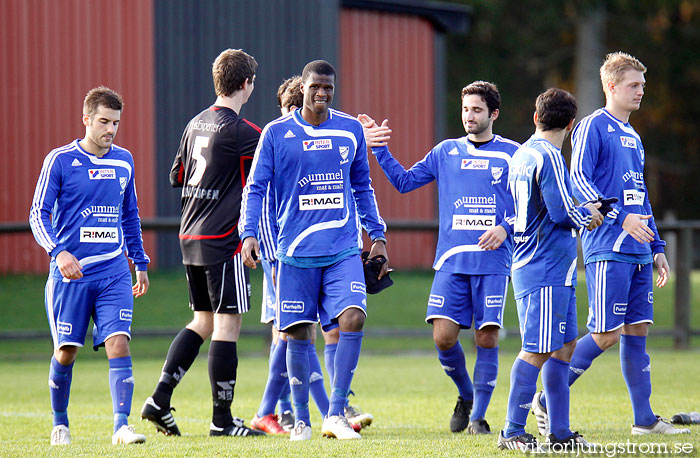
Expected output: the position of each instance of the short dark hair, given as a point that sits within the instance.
(103, 96)
(231, 69)
(320, 67)
(292, 94)
(487, 91)
(555, 109)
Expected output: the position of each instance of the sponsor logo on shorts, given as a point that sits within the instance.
(293, 306)
(475, 164)
(628, 142)
(436, 301)
(125, 314)
(562, 327)
(473, 222)
(318, 144)
(64, 328)
(357, 287)
(494, 301)
(321, 201)
(99, 235)
(619, 309)
(650, 297)
(102, 174)
(633, 197)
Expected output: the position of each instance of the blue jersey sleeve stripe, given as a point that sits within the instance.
(558, 166)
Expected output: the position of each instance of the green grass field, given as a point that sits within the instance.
(399, 380)
(410, 396)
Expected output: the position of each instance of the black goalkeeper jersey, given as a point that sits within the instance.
(211, 166)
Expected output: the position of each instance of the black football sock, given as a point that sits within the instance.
(223, 363)
(181, 354)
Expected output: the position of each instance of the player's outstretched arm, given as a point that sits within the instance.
(664, 269)
(141, 286)
(250, 252)
(636, 226)
(68, 265)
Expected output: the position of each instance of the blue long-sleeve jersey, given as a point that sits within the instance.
(608, 160)
(87, 206)
(546, 218)
(473, 197)
(320, 179)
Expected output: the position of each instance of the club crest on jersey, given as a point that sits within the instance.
(122, 183)
(496, 173)
(317, 144)
(475, 164)
(102, 174)
(628, 142)
(344, 153)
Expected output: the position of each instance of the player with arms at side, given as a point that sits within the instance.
(619, 255)
(315, 160)
(544, 272)
(211, 165)
(474, 249)
(85, 215)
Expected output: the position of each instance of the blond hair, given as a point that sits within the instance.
(615, 66)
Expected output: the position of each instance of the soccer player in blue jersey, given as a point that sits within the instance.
(315, 159)
(85, 215)
(473, 256)
(608, 160)
(544, 272)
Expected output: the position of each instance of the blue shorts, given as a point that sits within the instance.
(461, 297)
(547, 318)
(69, 306)
(268, 309)
(308, 295)
(619, 293)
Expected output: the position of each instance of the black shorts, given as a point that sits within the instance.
(219, 288)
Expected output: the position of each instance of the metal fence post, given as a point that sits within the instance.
(681, 318)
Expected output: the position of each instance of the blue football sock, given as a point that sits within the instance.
(285, 400)
(298, 369)
(316, 386)
(584, 354)
(60, 378)
(455, 367)
(485, 374)
(329, 360)
(347, 356)
(555, 378)
(276, 379)
(636, 370)
(523, 386)
(121, 386)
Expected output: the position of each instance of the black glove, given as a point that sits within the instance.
(372, 268)
(605, 204)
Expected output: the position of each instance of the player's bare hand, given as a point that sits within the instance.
(141, 286)
(250, 252)
(379, 249)
(637, 226)
(664, 269)
(375, 136)
(68, 265)
(493, 238)
(597, 217)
